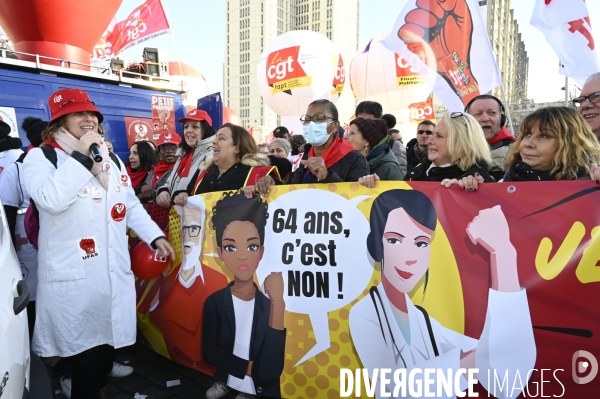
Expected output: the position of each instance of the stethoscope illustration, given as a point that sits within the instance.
(397, 354)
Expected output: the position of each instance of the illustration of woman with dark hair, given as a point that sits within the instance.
(389, 331)
(243, 332)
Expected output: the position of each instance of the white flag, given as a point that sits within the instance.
(447, 42)
(567, 28)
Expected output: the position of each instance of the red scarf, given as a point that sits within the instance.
(137, 177)
(185, 164)
(503, 134)
(336, 151)
(51, 143)
(160, 169)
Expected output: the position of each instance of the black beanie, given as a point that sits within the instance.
(373, 130)
(34, 127)
(4, 129)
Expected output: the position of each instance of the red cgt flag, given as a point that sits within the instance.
(145, 22)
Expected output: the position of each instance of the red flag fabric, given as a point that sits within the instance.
(148, 21)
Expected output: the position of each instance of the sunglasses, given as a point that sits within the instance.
(167, 147)
(458, 115)
(427, 132)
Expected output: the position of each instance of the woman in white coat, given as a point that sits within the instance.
(86, 293)
(389, 331)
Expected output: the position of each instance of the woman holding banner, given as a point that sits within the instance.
(243, 332)
(196, 146)
(555, 143)
(457, 148)
(389, 331)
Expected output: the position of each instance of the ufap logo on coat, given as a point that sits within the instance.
(284, 71)
(87, 248)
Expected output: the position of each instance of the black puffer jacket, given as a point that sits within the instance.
(449, 172)
(352, 166)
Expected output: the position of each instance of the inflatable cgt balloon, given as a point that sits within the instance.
(378, 74)
(146, 263)
(297, 68)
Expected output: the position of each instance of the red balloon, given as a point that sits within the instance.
(61, 29)
(146, 263)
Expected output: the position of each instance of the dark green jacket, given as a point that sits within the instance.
(383, 162)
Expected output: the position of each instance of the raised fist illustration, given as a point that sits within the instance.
(443, 29)
(88, 245)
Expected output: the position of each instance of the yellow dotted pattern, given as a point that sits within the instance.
(319, 377)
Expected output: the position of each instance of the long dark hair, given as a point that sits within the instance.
(207, 131)
(146, 153)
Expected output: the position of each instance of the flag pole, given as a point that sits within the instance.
(566, 91)
(507, 110)
(164, 6)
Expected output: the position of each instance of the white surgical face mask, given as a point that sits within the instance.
(316, 133)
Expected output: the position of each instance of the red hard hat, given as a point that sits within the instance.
(146, 263)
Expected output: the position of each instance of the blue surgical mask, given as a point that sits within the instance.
(316, 133)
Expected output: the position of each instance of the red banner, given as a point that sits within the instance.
(146, 22)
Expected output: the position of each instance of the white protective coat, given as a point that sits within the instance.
(506, 344)
(83, 300)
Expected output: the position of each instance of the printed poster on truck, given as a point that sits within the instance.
(163, 114)
(8, 115)
(405, 290)
(140, 129)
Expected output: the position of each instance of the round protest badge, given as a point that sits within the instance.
(106, 168)
(118, 212)
(118, 188)
(124, 180)
(84, 192)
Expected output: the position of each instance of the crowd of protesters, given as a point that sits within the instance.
(84, 306)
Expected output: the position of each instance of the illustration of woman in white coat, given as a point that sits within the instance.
(389, 331)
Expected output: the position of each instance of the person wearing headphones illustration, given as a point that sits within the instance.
(489, 111)
(389, 331)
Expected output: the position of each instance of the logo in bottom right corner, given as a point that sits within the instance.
(584, 363)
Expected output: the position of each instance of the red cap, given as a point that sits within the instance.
(68, 101)
(197, 115)
(169, 138)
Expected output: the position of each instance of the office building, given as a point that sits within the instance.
(253, 25)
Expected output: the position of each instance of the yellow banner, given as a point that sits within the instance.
(410, 80)
(290, 84)
(338, 89)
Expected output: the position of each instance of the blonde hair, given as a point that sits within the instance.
(577, 146)
(466, 142)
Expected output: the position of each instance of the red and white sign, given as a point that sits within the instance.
(163, 114)
(405, 74)
(140, 129)
(148, 21)
(339, 79)
(284, 72)
(567, 28)
(421, 111)
(118, 212)
(103, 49)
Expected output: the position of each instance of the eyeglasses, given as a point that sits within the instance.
(319, 117)
(458, 115)
(427, 132)
(193, 231)
(167, 147)
(594, 98)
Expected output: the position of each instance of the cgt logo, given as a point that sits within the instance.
(579, 366)
(283, 64)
